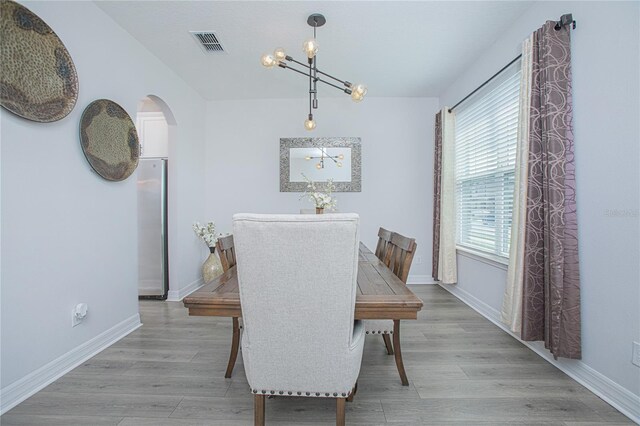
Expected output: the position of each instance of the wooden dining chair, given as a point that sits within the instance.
(398, 257)
(227, 253)
(401, 252)
(384, 237)
(297, 279)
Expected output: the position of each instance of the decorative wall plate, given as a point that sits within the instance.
(109, 140)
(38, 80)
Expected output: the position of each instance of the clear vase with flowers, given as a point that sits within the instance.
(321, 199)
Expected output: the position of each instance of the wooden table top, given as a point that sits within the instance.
(381, 295)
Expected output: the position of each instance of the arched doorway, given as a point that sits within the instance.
(156, 127)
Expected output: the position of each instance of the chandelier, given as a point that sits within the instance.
(325, 156)
(310, 47)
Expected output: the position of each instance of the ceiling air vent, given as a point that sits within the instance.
(208, 41)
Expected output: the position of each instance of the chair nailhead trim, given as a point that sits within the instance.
(273, 392)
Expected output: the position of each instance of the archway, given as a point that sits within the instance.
(156, 127)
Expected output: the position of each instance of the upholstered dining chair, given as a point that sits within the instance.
(227, 253)
(297, 284)
(398, 256)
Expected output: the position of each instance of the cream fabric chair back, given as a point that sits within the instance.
(297, 281)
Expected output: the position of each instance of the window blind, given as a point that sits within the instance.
(485, 153)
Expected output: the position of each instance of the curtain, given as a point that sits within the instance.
(512, 302)
(437, 174)
(444, 218)
(551, 283)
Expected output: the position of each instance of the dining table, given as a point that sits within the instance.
(380, 295)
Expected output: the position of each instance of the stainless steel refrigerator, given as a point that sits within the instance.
(153, 268)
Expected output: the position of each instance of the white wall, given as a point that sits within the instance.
(243, 142)
(69, 236)
(605, 64)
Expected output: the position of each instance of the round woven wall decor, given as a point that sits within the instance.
(109, 140)
(38, 80)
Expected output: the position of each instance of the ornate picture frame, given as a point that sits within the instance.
(286, 144)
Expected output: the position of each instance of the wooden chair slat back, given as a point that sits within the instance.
(384, 237)
(400, 255)
(226, 251)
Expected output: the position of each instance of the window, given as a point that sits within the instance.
(485, 154)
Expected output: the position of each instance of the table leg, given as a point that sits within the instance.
(398, 353)
(235, 344)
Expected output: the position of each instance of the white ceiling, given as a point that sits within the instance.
(396, 48)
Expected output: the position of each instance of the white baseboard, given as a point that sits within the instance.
(18, 391)
(178, 295)
(420, 279)
(620, 398)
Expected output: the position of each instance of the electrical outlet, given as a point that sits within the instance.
(418, 260)
(74, 319)
(78, 314)
(635, 358)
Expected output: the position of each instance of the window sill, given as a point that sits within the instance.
(489, 259)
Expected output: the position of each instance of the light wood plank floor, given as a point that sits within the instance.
(463, 371)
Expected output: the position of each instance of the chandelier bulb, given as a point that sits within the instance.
(310, 124)
(268, 60)
(339, 164)
(310, 47)
(318, 166)
(358, 91)
(279, 54)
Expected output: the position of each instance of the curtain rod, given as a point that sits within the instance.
(564, 20)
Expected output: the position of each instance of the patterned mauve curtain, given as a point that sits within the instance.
(551, 287)
(437, 177)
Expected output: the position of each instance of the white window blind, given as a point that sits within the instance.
(485, 153)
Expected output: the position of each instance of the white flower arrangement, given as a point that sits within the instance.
(322, 200)
(207, 233)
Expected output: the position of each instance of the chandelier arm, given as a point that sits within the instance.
(288, 67)
(289, 58)
(285, 66)
(346, 83)
(347, 91)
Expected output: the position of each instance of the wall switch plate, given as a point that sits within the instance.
(635, 358)
(418, 260)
